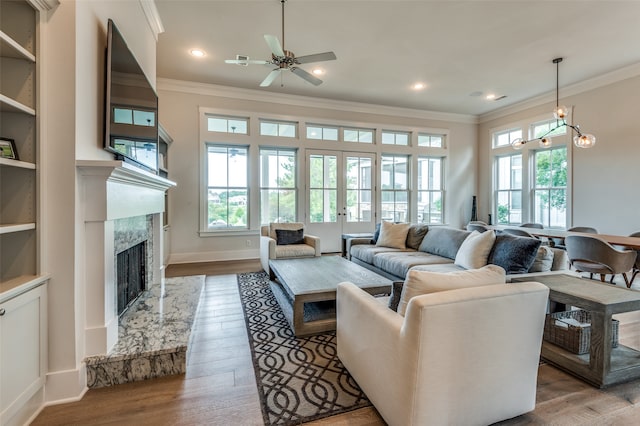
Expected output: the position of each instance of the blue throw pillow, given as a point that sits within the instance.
(285, 237)
(376, 234)
(514, 253)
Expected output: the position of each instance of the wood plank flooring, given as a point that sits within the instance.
(219, 386)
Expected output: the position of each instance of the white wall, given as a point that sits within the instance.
(604, 178)
(72, 80)
(179, 115)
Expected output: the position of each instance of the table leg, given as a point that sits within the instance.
(600, 351)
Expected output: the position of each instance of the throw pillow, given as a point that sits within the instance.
(443, 241)
(543, 261)
(424, 282)
(514, 253)
(376, 234)
(396, 293)
(474, 251)
(416, 235)
(393, 235)
(285, 237)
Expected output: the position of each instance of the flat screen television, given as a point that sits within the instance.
(131, 106)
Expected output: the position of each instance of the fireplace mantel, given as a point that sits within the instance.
(112, 190)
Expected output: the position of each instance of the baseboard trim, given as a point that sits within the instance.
(213, 256)
(66, 386)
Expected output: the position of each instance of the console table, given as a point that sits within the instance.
(603, 365)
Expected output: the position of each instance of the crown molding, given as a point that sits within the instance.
(307, 101)
(153, 17)
(574, 89)
(44, 5)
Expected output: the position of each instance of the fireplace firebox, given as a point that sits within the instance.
(131, 275)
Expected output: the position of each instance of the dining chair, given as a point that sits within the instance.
(636, 266)
(559, 242)
(532, 225)
(476, 227)
(518, 232)
(596, 256)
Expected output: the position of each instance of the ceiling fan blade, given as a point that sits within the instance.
(247, 62)
(302, 73)
(318, 57)
(274, 45)
(272, 76)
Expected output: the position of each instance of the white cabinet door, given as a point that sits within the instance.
(23, 341)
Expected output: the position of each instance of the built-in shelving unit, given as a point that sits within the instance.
(23, 289)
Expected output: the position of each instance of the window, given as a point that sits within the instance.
(433, 141)
(358, 135)
(278, 128)
(395, 138)
(358, 188)
(323, 188)
(395, 195)
(135, 117)
(278, 185)
(322, 132)
(224, 124)
(505, 137)
(227, 190)
(430, 190)
(542, 127)
(550, 187)
(509, 189)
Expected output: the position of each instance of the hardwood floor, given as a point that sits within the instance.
(219, 386)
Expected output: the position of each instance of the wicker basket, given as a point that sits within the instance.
(576, 339)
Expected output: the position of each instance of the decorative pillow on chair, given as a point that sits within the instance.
(474, 251)
(424, 282)
(286, 236)
(393, 235)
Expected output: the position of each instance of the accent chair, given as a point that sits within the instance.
(286, 241)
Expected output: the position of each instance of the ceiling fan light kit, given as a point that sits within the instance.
(581, 140)
(284, 59)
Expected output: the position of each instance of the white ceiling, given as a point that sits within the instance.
(383, 47)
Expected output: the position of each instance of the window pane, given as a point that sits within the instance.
(216, 124)
(330, 134)
(314, 132)
(402, 139)
(331, 172)
(350, 135)
(268, 129)
(217, 207)
(144, 118)
(122, 116)
(366, 136)
(316, 166)
(217, 162)
(237, 167)
(238, 126)
(287, 130)
(388, 138)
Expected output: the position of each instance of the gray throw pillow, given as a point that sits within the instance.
(514, 253)
(443, 241)
(285, 237)
(396, 293)
(376, 234)
(416, 234)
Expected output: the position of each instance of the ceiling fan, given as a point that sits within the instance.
(284, 59)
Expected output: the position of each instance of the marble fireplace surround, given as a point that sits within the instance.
(112, 191)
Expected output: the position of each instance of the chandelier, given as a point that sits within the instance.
(580, 140)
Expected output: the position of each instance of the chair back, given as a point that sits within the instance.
(591, 254)
(518, 232)
(476, 227)
(291, 226)
(532, 225)
(585, 229)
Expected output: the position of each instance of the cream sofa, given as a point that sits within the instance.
(270, 249)
(459, 357)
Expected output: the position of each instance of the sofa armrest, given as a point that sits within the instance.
(313, 242)
(355, 241)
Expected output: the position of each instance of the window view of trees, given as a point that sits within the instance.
(550, 193)
(509, 189)
(227, 191)
(323, 188)
(278, 190)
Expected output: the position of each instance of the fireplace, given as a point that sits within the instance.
(131, 275)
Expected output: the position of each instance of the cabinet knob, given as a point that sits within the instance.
(2, 311)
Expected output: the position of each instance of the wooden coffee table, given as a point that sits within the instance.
(306, 289)
(603, 365)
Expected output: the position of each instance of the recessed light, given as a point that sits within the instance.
(198, 53)
(418, 86)
(490, 96)
(318, 71)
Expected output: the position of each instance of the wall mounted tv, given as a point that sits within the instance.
(131, 122)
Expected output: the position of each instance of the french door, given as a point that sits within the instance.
(340, 195)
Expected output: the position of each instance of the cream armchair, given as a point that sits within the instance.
(269, 249)
(459, 357)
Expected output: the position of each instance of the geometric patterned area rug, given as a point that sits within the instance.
(299, 379)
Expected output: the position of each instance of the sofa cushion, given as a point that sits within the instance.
(439, 267)
(287, 236)
(399, 263)
(366, 253)
(393, 235)
(423, 282)
(543, 261)
(474, 251)
(514, 253)
(294, 250)
(443, 241)
(416, 234)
